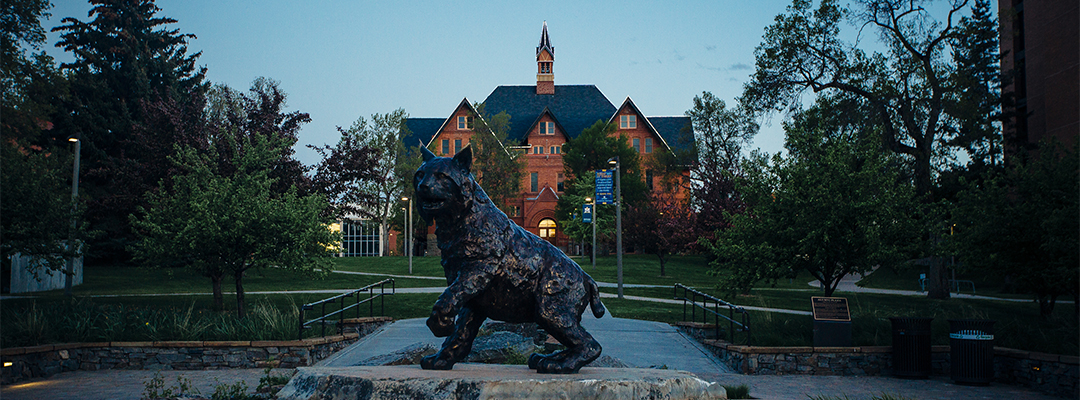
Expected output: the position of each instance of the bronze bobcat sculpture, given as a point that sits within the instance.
(495, 269)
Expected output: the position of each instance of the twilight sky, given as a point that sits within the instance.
(339, 60)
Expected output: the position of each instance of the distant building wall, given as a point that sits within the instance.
(28, 274)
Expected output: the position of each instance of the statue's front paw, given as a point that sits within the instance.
(434, 362)
(440, 325)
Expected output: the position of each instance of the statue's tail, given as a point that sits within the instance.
(594, 299)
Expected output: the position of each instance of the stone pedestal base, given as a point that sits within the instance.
(492, 381)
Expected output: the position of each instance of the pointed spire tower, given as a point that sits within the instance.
(545, 57)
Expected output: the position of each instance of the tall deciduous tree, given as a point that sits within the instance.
(498, 169)
(123, 57)
(720, 134)
(383, 136)
(223, 218)
(910, 87)
(1023, 224)
(662, 226)
(582, 157)
(833, 207)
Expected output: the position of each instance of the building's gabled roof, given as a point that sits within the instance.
(421, 130)
(648, 123)
(576, 106)
(424, 131)
(677, 132)
(558, 125)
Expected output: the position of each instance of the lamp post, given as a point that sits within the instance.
(618, 220)
(74, 207)
(593, 202)
(409, 234)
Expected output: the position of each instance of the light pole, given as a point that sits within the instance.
(618, 219)
(409, 234)
(74, 207)
(591, 201)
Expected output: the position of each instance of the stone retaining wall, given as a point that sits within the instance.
(1054, 374)
(44, 361)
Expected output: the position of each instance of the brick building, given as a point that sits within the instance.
(543, 117)
(1040, 41)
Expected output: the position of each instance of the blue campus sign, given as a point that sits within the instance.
(604, 187)
(586, 213)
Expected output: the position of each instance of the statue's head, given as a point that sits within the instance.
(444, 186)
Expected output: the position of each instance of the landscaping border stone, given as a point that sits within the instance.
(1054, 374)
(47, 360)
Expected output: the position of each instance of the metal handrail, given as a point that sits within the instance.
(694, 294)
(305, 324)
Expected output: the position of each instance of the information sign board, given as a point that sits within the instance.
(586, 213)
(604, 187)
(830, 309)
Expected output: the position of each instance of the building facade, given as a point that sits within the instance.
(1040, 44)
(543, 118)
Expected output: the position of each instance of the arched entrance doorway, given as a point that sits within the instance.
(548, 229)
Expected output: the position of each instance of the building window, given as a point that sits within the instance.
(547, 228)
(538, 149)
(360, 238)
(457, 146)
(556, 149)
(464, 123)
(649, 179)
(446, 146)
(648, 145)
(545, 68)
(515, 211)
(547, 128)
(534, 181)
(627, 121)
(637, 145)
(561, 179)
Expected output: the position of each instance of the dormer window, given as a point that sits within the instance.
(627, 121)
(547, 128)
(545, 68)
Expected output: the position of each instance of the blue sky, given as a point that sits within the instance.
(339, 60)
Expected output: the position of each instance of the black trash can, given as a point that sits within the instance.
(971, 357)
(911, 347)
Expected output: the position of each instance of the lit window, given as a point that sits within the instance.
(534, 181)
(627, 121)
(446, 146)
(648, 145)
(457, 146)
(637, 145)
(547, 228)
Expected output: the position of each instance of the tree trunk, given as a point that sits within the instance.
(219, 298)
(240, 309)
(660, 255)
(937, 283)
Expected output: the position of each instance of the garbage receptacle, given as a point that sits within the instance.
(911, 347)
(971, 356)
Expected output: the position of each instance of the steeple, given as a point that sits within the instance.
(545, 57)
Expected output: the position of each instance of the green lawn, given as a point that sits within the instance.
(1019, 325)
(908, 279)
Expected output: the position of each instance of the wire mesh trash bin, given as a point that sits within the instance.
(971, 356)
(911, 347)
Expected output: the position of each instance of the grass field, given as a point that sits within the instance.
(1019, 325)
